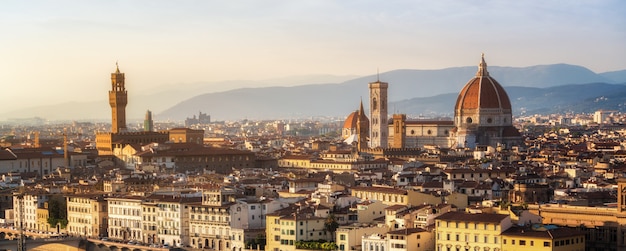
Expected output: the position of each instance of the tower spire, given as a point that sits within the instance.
(362, 128)
(482, 67)
(361, 110)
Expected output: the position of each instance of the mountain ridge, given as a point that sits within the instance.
(331, 99)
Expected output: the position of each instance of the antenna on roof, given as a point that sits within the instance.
(377, 75)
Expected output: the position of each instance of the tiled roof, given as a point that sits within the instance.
(550, 233)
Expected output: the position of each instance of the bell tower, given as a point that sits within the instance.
(399, 130)
(379, 130)
(118, 98)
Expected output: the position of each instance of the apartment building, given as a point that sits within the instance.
(172, 218)
(125, 221)
(543, 238)
(296, 223)
(209, 219)
(408, 239)
(86, 215)
(149, 222)
(32, 202)
(465, 231)
(349, 237)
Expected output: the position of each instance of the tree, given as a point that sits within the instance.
(331, 225)
(57, 211)
(259, 240)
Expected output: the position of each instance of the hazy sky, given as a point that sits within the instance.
(54, 51)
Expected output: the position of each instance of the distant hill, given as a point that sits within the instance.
(577, 98)
(406, 84)
(340, 99)
(410, 91)
(615, 76)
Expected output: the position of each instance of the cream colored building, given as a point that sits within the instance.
(172, 219)
(297, 223)
(86, 215)
(149, 222)
(387, 195)
(408, 239)
(32, 202)
(338, 166)
(125, 222)
(210, 219)
(350, 237)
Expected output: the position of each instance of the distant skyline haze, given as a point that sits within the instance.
(59, 51)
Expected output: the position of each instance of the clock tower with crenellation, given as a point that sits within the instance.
(118, 98)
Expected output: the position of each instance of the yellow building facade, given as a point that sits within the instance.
(86, 215)
(464, 231)
(387, 195)
(543, 239)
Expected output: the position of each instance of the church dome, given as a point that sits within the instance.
(483, 92)
(353, 119)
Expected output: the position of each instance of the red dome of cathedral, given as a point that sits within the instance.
(353, 120)
(482, 92)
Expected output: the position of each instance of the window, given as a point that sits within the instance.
(522, 242)
(546, 243)
(342, 237)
